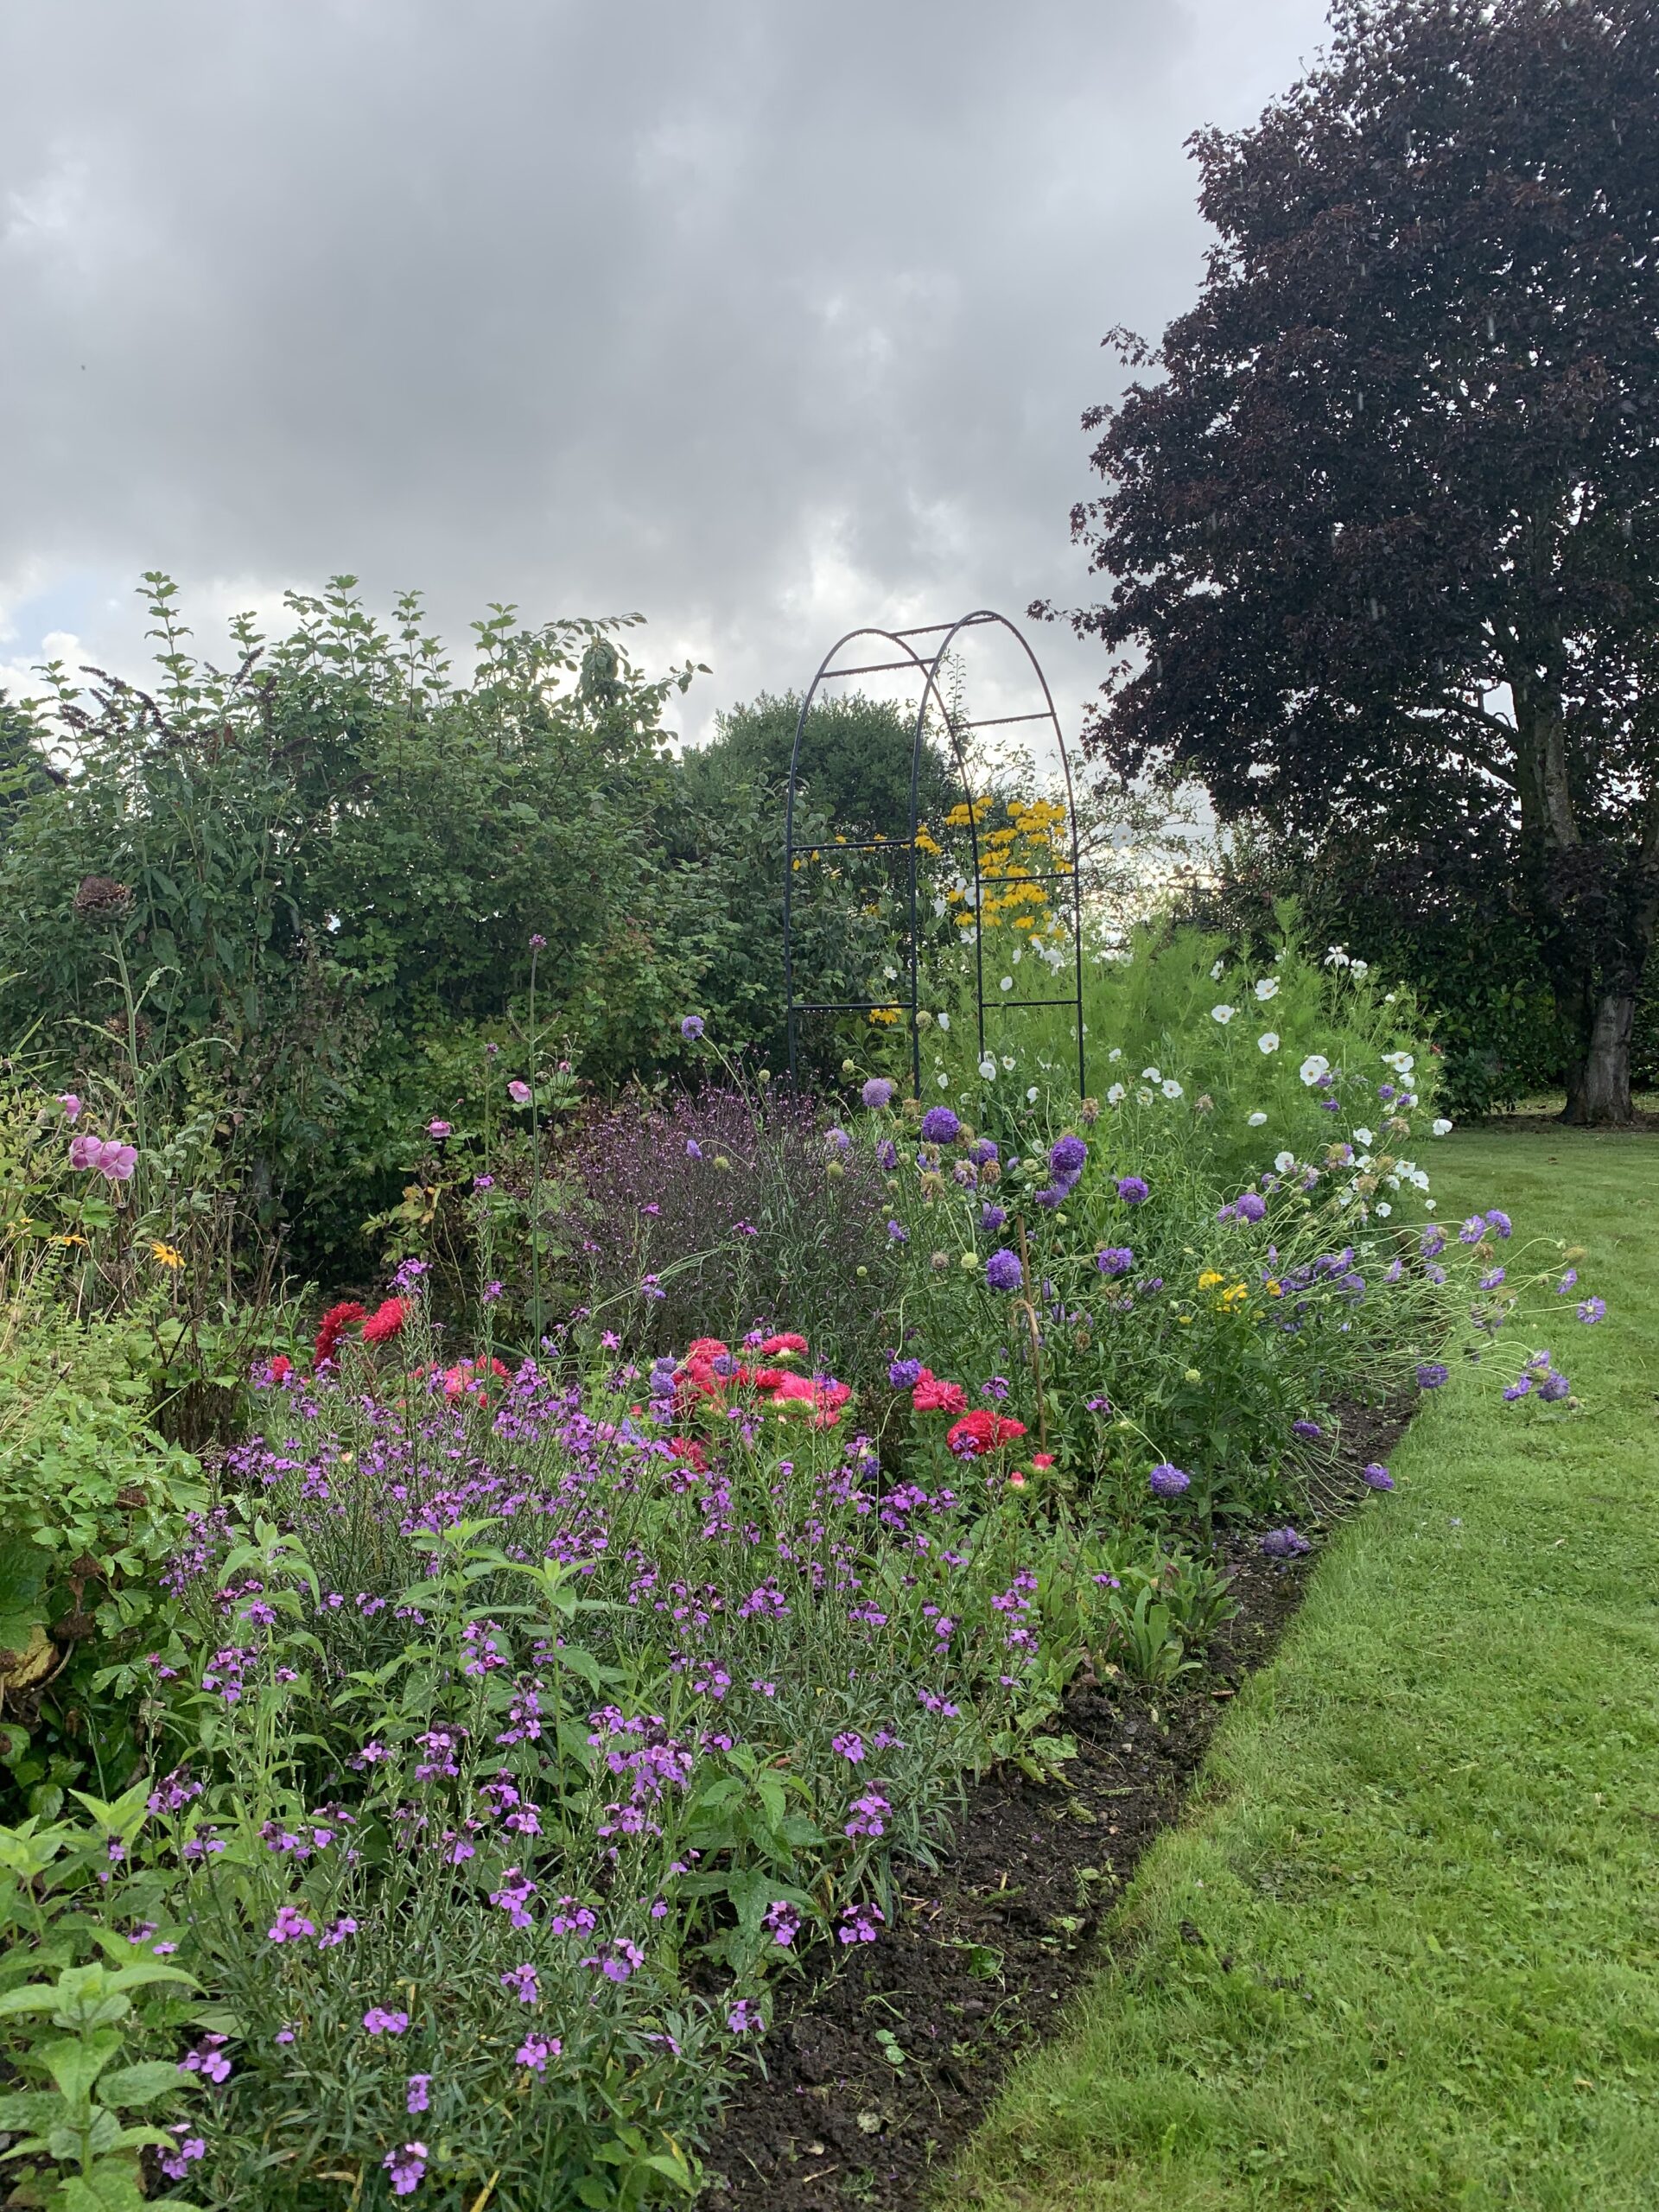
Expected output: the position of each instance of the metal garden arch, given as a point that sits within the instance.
(928, 665)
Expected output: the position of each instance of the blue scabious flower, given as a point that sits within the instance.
(1553, 1387)
(1067, 1156)
(1591, 1310)
(693, 1149)
(1115, 1260)
(1473, 1230)
(1003, 1271)
(1308, 1429)
(877, 1093)
(1166, 1481)
(691, 1027)
(1499, 1222)
(940, 1126)
(904, 1374)
(887, 1154)
(991, 1218)
(1520, 1387)
(1492, 1278)
(982, 1153)
(1133, 1189)
(1432, 1243)
(1431, 1374)
(838, 1140)
(1285, 1543)
(1378, 1476)
(897, 1233)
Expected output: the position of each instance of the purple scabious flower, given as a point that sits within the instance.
(877, 1093)
(1499, 1222)
(1309, 1429)
(1053, 1195)
(1567, 1282)
(1284, 1543)
(1492, 1278)
(904, 1374)
(1431, 1373)
(1432, 1243)
(991, 1218)
(693, 1149)
(983, 1152)
(1115, 1260)
(1591, 1310)
(1378, 1476)
(887, 1154)
(1067, 1157)
(1553, 1388)
(1520, 1389)
(1133, 1189)
(897, 1233)
(838, 1140)
(1472, 1229)
(1003, 1271)
(1166, 1481)
(940, 1126)
(691, 1027)
(1249, 1205)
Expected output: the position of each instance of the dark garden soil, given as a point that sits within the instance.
(878, 2069)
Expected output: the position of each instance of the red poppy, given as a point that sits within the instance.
(981, 1431)
(334, 1325)
(386, 1321)
(933, 1397)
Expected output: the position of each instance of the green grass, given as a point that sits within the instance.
(1423, 1865)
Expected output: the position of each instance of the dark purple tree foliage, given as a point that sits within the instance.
(1383, 528)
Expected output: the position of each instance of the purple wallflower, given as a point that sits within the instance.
(417, 2087)
(1115, 1260)
(521, 1982)
(860, 1923)
(1166, 1481)
(535, 2050)
(289, 1926)
(691, 1027)
(940, 1126)
(1132, 1189)
(378, 2021)
(849, 1744)
(1378, 1476)
(877, 1093)
(1431, 1374)
(1284, 1543)
(406, 2166)
(784, 1921)
(1004, 1272)
(745, 2016)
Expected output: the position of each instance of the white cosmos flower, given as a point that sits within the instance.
(1359, 966)
(1031, 1095)
(1365, 1138)
(1267, 1042)
(1224, 1014)
(1117, 1095)
(1402, 1062)
(1143, 1098)
(1440, 1129)
(1215, 973)
(988, 1068)
(1284, 1162)
(1314, 1067)
(1268, 989)
(1170, 1088)
(1254, 1121)
(1117, 1053)
(944, 1021)
(1150, 1075)
(943, 1080)
(1384, 1208)
(1007, 983)
(1008, 1063)
(1335, 957)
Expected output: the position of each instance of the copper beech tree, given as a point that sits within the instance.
(1381, 522)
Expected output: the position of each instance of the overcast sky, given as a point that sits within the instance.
(761, 317)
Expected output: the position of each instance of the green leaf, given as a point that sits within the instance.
(140, 2084)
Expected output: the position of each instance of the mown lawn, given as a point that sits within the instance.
(1405, 1954)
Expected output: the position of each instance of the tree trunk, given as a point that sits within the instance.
(1599, 1091)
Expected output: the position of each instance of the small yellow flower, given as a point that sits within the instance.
(167, 1254)
(69, 1240)
(1208, 1280)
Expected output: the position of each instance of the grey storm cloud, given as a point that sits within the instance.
(759, 316)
